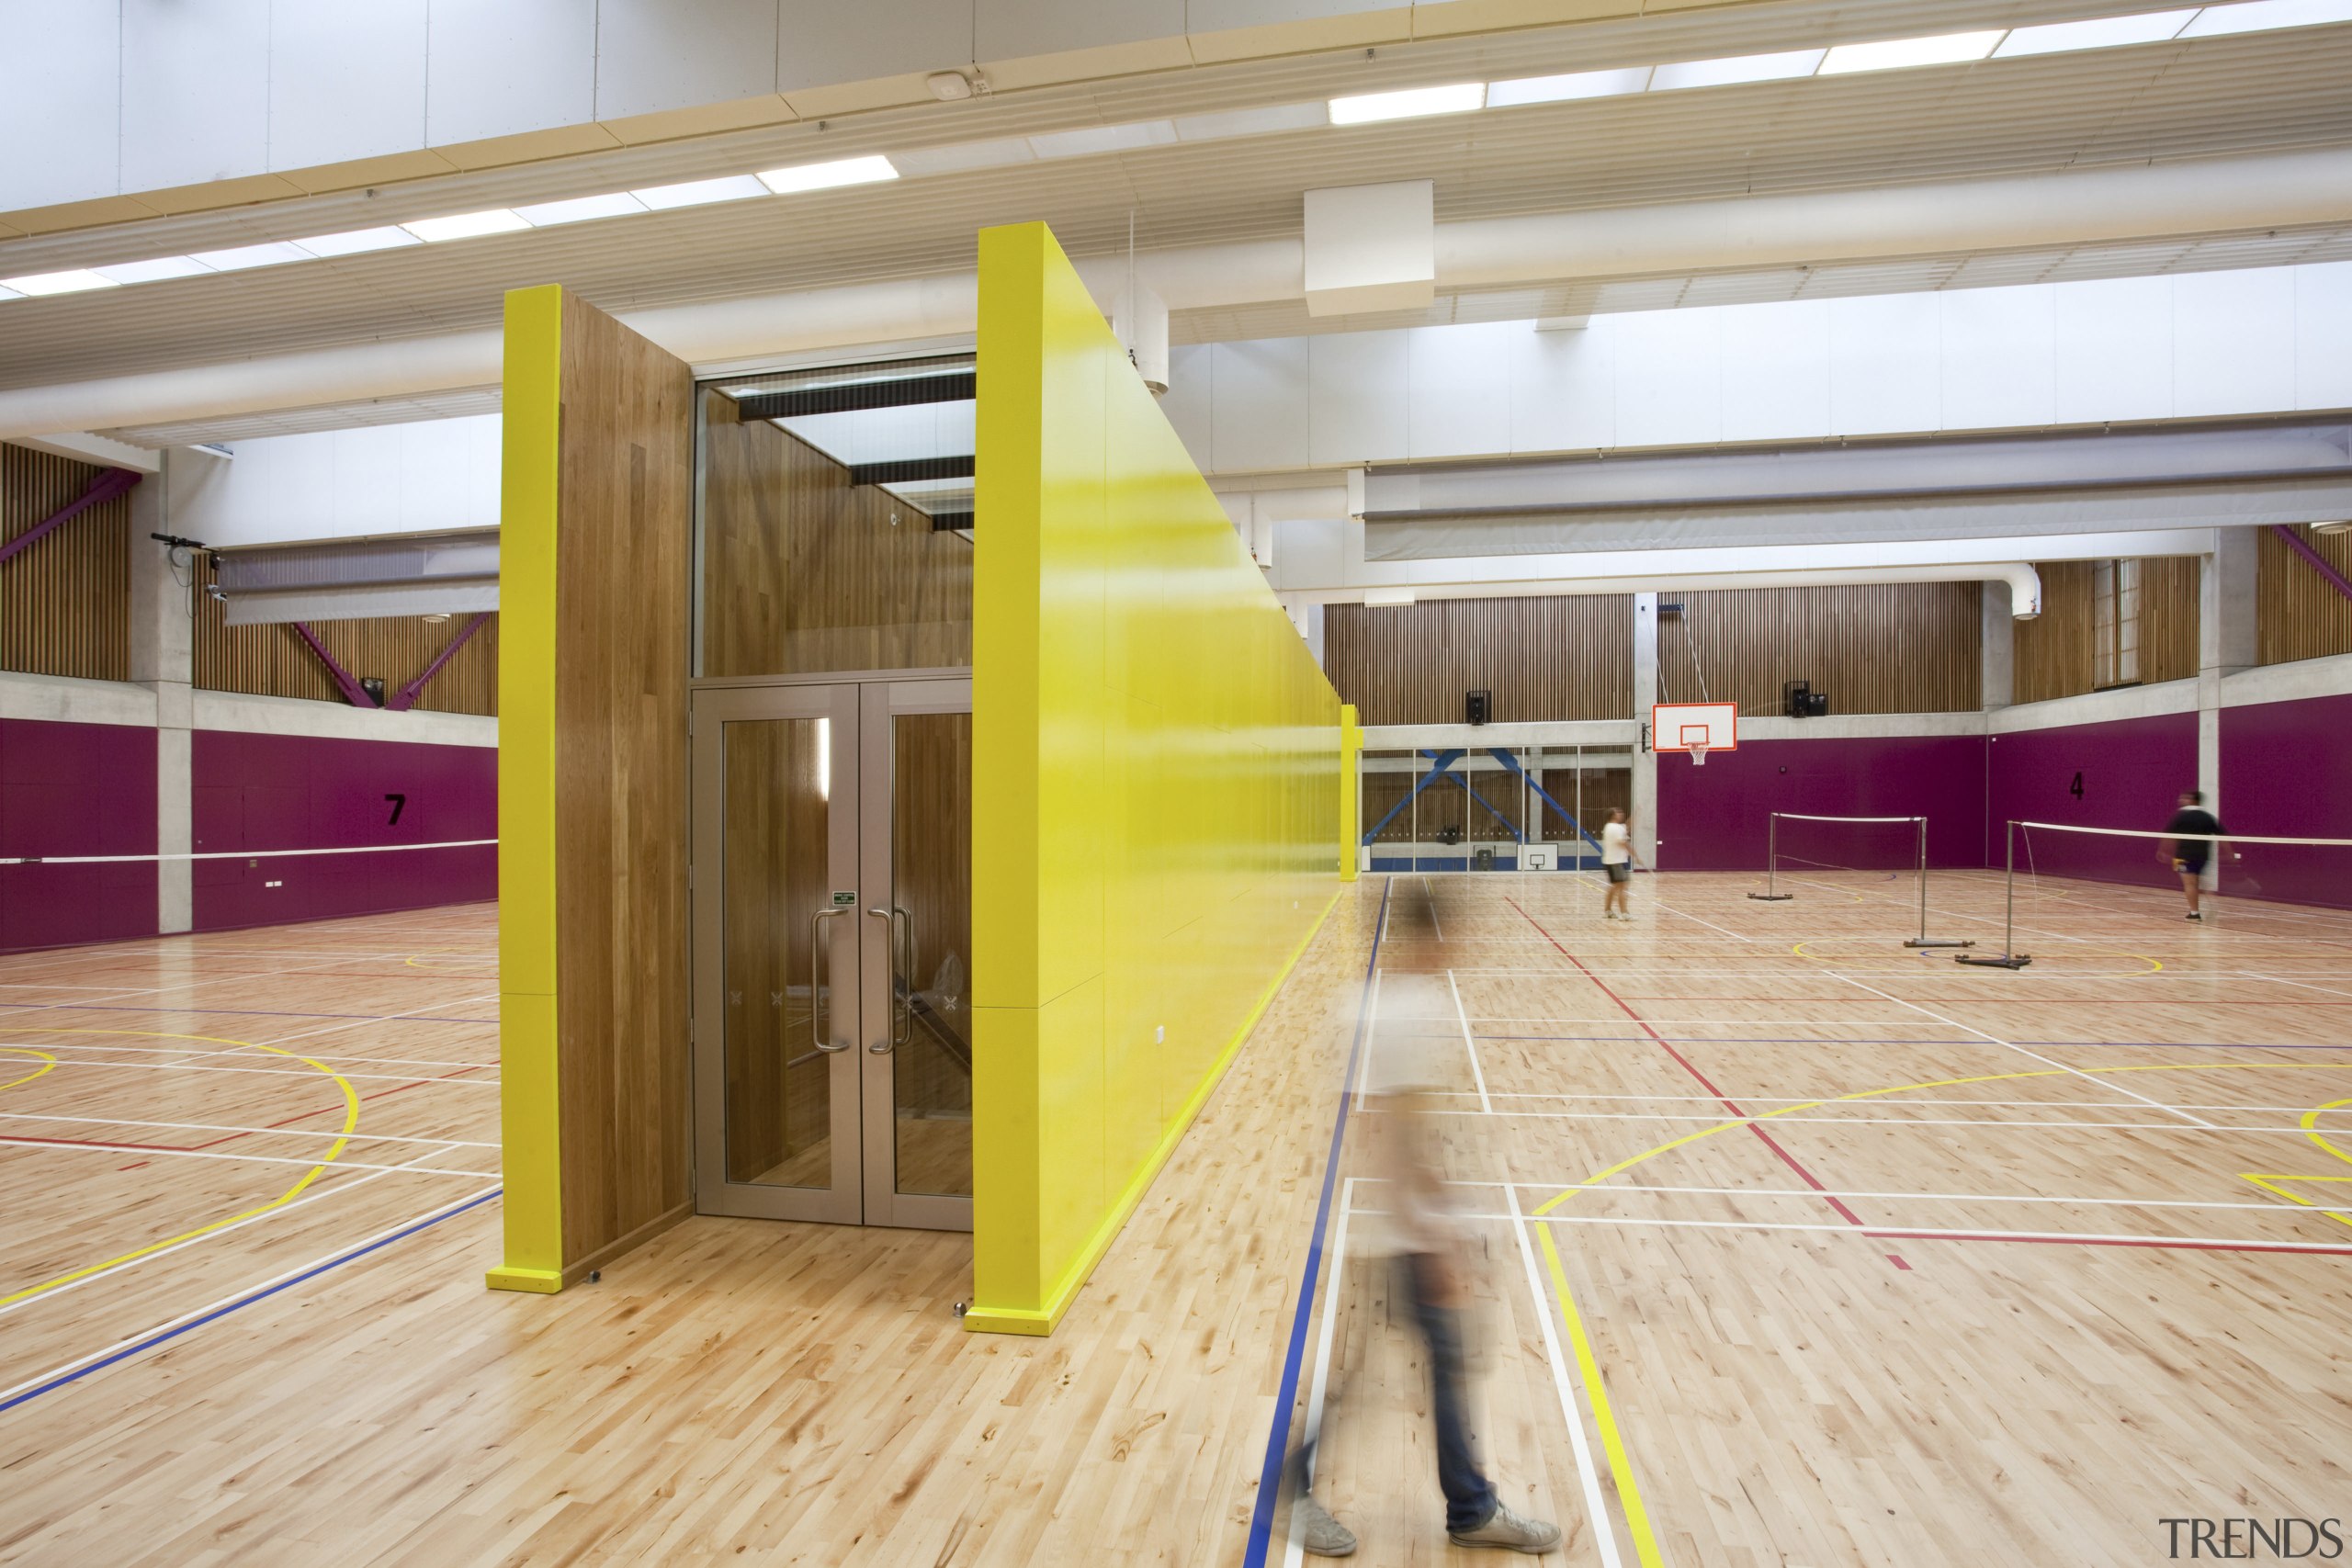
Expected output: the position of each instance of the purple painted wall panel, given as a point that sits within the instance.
(254, 791)
(76, 789)
(1714, 818)
(2287, 772)
(2132, 771)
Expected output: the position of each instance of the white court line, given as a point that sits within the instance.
(382, 1018)
(1468, 1044)
(1907, 1099)
(178, 984)
(305, 1074)
(2059, 1125)
(2035, 1056)
(2306, 985)
(1604, 1533)
(242, 1291)
(1371, 1039)
(11, 1140)
(324, 1190)
(1668, 909)
(279, 1132)
(1965, 1233)
(1816, 1195)
(1293, 1549)
(328, 1055)
(1431, 899)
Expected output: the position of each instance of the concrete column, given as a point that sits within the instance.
(1644, 759)
(162, 659)
(1998, 680)
(2225, 645)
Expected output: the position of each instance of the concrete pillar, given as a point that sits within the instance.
(162, 659)
(2225, 644)
(1998, 680)
(1644, 695)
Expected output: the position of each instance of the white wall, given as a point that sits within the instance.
(428, 477)
(2264, 341)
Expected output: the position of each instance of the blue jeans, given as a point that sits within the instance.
(1469, 1497)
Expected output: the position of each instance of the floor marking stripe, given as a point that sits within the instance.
(1269, 1474)
(1294, 1549)
(1469, 1043)
(1604, 1533)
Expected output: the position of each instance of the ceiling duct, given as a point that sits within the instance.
(347, 580)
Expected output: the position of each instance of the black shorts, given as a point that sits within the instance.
(1619, 872)
(2189, 865)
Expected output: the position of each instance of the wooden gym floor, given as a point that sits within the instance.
(1791, 1246)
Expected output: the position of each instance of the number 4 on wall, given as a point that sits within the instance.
(2074, 789)
(399, 801)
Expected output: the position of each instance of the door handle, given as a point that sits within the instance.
(816, 997)
(902, 1021)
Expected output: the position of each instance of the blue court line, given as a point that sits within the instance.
(1270, 1478)
(242, 1012)
(152, 1340)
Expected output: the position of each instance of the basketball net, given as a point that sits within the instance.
(1698, 756)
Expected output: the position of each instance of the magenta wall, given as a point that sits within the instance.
(2287, 772)
(76, 789)
(286, 792)
(2132, 771)
(1714, 818)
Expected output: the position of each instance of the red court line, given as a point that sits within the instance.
(2161, 1243)
(1787, 1158)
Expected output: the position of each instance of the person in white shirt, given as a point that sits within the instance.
(1617, 863)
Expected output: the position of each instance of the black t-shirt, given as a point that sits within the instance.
(2187, 822)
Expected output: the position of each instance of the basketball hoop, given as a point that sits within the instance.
(1698, 756)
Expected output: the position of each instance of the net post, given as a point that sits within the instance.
(1771, 863)
(2008, 957)
(1923, 939)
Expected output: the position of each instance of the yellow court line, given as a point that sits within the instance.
(2310, 1130)
(45, 1060)
(350, 1121)
(1587, 1364)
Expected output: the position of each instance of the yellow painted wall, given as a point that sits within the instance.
(1156, 793)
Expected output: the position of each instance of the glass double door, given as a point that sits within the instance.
(832, 991)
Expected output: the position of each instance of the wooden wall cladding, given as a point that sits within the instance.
(65, 602)
(803, 572)
(1874, 647)
(2055, 654)
(623, 503)
(273, 660)
(1557, 658)
(2298, 612)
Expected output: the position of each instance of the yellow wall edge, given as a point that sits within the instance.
(1350, 766)
(981, 1319)
(528, 484)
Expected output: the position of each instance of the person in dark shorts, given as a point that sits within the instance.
(2192, 847)
(1617, 863)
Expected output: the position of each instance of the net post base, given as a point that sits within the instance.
(1938, 942)
(1994, 960)
(1772, 898)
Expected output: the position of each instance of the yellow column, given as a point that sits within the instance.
(1350, 766)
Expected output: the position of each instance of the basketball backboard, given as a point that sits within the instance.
(1695, 728)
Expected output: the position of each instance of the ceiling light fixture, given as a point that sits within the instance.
(465, 225)
(155, 271)
(357, 241)
(700, 193)
(1413, 103)
(829, 177)
(2343, 528)
(1088, 140)
(2105, 32)
(579, 210)
(237, 258)
(1735, 69)
(40, 283)
(2261, 16)
(1375, 598)
(1903, 53)
(1564, 89)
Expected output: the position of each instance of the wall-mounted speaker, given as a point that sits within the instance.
(1478, 705)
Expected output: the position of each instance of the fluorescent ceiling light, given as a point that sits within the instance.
(1230, 123)
(40, 283)
(1376, 597)
(2105, 32)
(2259, 16)
(274, 252)
(1736, 69)
(1898, 54)
(357, 241)
(701, 193)
(6, 293)
(1561, 89)
(1088, 140)
(579, 210)
(153, 271)
(1364, 109)
(465, 225)
(828, 176)
(965, 156)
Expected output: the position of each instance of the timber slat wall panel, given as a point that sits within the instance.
(1553, 657)
(1874, 647)
(2298, 612)
(65, 602)
(272, 661)
(2054, 653)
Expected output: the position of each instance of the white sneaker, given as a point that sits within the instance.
(1319, 1534)
(1514, 1531)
